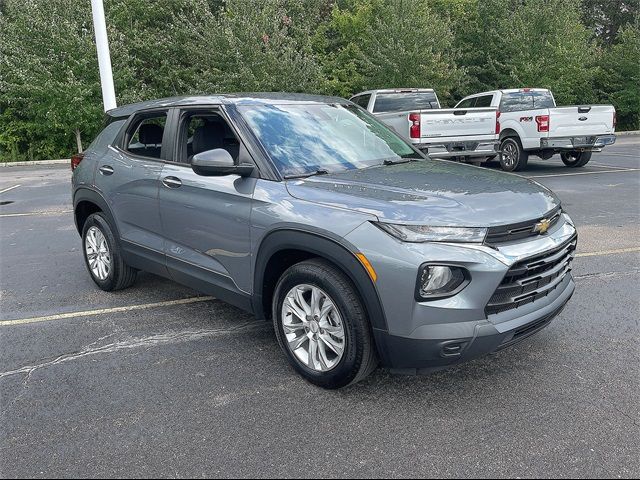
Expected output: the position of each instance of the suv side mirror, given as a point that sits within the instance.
(218, 162)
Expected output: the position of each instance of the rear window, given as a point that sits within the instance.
(108, 134)
(516, 101)
(362, 100)
(484, 101)
(402, 102)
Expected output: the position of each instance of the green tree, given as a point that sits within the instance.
(378, 44)
(605, 18)
(511, 43)
(254, 46)
(619, 80)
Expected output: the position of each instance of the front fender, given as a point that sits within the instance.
(322, 244)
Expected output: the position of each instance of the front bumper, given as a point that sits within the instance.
(416, 356)
(425, 335)
(590, 142)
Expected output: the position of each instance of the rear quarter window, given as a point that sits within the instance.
(108, 134)
(484, 101)
(402, 102)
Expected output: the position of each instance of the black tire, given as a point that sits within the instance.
(360, 357)
(512, 157)
(575, 159)
(120, 275)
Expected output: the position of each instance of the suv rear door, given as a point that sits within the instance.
(206, 220)
(129, 178)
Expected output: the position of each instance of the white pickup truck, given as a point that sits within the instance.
(461, 133)
(531, 123)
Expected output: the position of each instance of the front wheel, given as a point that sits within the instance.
(575, 159)
(513, 158)
(322, 325)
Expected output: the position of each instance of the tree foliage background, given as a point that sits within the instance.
(584, 50)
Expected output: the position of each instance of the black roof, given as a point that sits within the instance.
(226, 99)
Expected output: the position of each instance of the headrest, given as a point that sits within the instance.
(150, 134)
(207, 137)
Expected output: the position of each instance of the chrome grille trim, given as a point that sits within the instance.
(518, 231)
(532, 278)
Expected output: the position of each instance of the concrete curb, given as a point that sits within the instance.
(629, 133)
(37, 162)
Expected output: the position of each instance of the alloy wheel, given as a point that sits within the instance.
(98, 255)
(509, 154)
(313, 327)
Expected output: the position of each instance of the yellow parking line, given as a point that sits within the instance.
(608, 252)
(10, 188)
(30, 214)
(86, 313)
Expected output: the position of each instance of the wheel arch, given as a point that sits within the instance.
(509, 132)
(87, 201)
(287, 246)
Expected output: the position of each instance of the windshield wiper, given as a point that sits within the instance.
(388, 161)
(320, 171)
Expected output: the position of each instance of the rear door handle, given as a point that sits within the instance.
(172, 182)
(106, 170)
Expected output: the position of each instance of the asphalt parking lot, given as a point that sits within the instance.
(157, 381)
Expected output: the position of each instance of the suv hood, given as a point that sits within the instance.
(430, 192)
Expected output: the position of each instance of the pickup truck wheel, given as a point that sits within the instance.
(575, 159)
(322, 325)
(513, 158)
(103, 256)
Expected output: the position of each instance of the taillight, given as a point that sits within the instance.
(414, 129)
(615, 119)
(75, 160)
(498, 122)
(543, 123)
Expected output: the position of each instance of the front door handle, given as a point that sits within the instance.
(172, 182)
(106, 170)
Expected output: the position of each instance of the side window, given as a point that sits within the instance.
(468, 103)
(362, 100)
(144, 136)
(515, 102)
(206, 130)
(484, 101)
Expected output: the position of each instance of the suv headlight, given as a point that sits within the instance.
(424, 233)
(440, 281)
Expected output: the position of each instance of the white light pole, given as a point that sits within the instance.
(104, 59)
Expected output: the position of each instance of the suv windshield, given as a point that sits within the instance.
(307, 138)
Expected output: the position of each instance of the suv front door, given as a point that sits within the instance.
(206, 220)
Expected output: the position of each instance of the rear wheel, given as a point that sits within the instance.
(575, 159)
(513, 158)
(103, 256)
(322, 326)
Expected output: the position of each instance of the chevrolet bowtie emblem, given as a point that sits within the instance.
(542, 226)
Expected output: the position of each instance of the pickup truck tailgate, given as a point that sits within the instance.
(581, 120)
(457, 122)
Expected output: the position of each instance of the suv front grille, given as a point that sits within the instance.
(532, 278)
(518, 231)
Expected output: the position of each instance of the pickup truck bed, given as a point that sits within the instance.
(443, 133)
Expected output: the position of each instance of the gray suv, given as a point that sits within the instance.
(308, 211)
